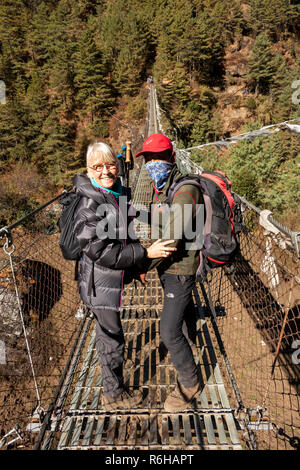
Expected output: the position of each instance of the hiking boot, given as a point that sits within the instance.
(126, 400)
(180, 398)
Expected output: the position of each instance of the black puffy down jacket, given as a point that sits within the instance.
(104, 262)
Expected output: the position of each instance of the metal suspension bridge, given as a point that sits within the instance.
(248, 337)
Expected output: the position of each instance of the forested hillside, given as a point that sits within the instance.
(76, 70)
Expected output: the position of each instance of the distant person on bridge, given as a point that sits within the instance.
(108, 253)
(177, 273)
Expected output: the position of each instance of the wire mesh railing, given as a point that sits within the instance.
(257, 305)
(39, 312)
(259, 301)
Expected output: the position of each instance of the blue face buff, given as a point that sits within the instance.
(159, 172)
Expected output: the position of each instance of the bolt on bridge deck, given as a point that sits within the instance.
(208, 424)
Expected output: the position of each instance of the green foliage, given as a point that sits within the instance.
(207, 158)
(261, 64)
(251, 103)
(282, 92)
(266, 171)
(275, 17)
(93, 93)
(124, 35)
(66, 64)
(136, 108)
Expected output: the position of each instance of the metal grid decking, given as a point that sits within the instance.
(208, 424)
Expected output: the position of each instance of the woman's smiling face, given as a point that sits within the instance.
(104, 174)
(102, 164)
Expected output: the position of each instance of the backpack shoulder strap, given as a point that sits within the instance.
(182, 181)
(126, 192)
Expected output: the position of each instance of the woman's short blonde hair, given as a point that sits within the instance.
(99, 152)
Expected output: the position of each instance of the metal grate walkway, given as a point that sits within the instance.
(208, 424)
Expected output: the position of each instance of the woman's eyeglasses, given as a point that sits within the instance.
(99, 168)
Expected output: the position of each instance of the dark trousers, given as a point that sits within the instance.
(178, 320)
(110, 349)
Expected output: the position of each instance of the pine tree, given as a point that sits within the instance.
(93, 94)
(13, 25)
(59, 126)
(129, 70)
(227, 17)
(124, 44)
(274, 17)
(39, 38)
(83, 11)
(285, 97)
(261, 65)
(56, 148)
(14, 20)
(36, 104)
(13, 144)
(208, 49)
(205, 123)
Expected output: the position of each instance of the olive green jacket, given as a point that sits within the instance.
(170, 223)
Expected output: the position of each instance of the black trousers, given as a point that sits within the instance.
(110, 349)
(178, 321)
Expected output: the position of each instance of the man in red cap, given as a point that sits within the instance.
(177, 273)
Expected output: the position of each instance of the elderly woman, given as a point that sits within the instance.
(108, 253)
